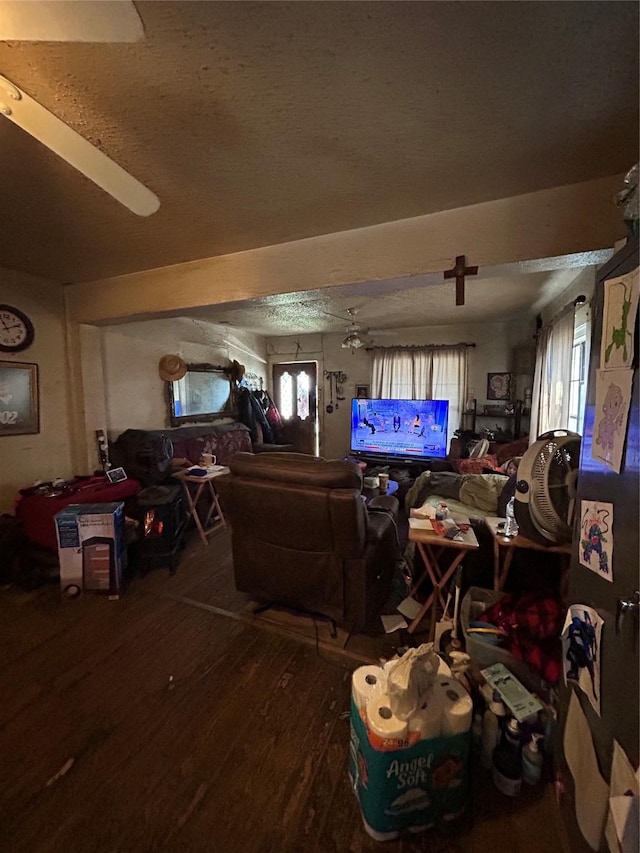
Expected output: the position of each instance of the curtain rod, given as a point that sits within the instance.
(424, 346)
(578, 302)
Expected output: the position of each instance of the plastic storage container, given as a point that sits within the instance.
(474, 603)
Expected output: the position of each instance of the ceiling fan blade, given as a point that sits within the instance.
(68, 20)
(28, 114)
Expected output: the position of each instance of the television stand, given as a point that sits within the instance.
(414, 467)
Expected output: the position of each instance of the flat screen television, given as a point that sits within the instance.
(401, 430)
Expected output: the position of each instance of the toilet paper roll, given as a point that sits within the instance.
(427, 722)
(382, 721)
(457, 707)
(364, 682)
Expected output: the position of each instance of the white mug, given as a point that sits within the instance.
(207, 460)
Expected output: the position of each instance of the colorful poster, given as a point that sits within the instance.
(596, 538)
(618, 321)
(613, 398)
(581, 644)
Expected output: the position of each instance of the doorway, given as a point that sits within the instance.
(295, 391)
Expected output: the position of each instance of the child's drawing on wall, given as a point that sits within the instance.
(620, 306)
(596, 538)
(613, 394)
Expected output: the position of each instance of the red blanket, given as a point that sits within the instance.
(36, 512)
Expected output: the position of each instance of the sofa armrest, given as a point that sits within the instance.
(382, 514)
(384, 503)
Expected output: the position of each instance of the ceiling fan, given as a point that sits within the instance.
(64, 21)
(356, 331)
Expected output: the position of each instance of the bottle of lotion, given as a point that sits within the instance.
(507, 761)
(532, 760)
(491, 722)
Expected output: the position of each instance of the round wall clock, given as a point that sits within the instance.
(16, 330)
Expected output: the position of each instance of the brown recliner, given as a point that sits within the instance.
(303, 537)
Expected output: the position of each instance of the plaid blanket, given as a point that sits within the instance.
(533, 624)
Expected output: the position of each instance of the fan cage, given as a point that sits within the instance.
(552, 486)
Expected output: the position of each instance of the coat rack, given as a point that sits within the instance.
(336, 379)
(252, 381)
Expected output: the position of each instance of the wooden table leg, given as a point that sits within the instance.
(215, 507)
(508, 557)
(192, 500)
(438, 583)
(496, 564)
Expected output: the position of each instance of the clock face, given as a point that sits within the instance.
(16, 329)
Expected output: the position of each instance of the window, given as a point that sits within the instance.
(578, 382)
(559, 385)
(423, 373)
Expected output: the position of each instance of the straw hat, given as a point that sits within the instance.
(236, 371)
(171, 368)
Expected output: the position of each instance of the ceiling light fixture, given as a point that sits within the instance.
(352, 341)
(37, 121)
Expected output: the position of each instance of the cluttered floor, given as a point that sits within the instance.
(175, 719)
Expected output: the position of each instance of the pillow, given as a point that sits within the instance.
(475, 466)
(482, 492)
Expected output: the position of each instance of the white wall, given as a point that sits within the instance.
(495, 344)
(46, 455)
(135, 394)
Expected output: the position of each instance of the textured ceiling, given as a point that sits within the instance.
(261, 123)
(382, 307)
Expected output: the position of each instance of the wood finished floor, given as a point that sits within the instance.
(182, 729)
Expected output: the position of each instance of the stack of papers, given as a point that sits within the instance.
(425, 511)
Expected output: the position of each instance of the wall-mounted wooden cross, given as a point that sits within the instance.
(459, 272)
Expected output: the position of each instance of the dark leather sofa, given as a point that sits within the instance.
(303, 537)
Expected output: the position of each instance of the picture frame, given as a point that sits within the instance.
(116, 475)
(19, 398)
(499, 386)
(362, 392)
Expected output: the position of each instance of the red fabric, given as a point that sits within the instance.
(37, 511)
(505, 452)
(476, 466)
(533, 624)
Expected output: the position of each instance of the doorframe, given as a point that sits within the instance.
(318, 358)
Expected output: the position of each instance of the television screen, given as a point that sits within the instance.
(399, 429)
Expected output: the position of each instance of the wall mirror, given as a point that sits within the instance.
(205, 393)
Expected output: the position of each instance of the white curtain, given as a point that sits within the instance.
(422, 374)
(392, 375)
(552, 377)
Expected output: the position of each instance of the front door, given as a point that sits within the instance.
(296, 396)
(618, 652)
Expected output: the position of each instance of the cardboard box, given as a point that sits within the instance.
(91, 548)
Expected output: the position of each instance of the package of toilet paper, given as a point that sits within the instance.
(414, 787)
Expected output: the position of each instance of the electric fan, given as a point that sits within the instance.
(546, 489)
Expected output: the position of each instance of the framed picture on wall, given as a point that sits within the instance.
(362, 392)
(498, 386)
(19, 413)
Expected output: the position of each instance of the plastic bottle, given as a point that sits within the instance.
(476, 733)
(532, 761)
(511, 527)
(491, 730)
(506, 766)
